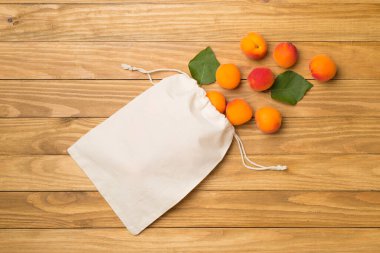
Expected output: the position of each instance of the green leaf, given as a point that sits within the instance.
(289, 87)
(203, 66)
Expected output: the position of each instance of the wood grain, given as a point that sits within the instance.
(244, 2)
(198, 209)
(99, 60)
(306, 172)
(95, 98)
(270, 240)
(42, 136)
(206, 21)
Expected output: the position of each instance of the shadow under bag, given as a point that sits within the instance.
(152, 152)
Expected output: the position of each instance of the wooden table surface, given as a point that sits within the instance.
(60, 76)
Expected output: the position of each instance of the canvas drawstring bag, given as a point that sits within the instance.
(152, 152)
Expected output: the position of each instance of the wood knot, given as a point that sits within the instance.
(12, 20)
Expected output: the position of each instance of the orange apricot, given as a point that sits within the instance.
(285, 54)
(238, 112)
(228, 76)
(217, 99)
(254, 46)
(322, 67)
(268, 119)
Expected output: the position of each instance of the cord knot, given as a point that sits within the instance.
(281, 167)
(128, 67)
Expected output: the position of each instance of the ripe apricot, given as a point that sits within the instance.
(228, 76)
(254, 46)
(238, 112)
(285, 54)
(261, 79)
(322, 67)
(268, 119)
(217, 99)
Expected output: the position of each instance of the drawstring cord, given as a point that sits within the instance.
(149, 72)
(246, 161)
(252, 165)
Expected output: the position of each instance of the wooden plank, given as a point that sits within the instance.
(271, 240)
(198, 209)
(95, 98)
(244, 2)
(99, 60)
(205, 21)
(35, 136)
(306, 172)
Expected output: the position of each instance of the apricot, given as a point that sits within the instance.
(322, 67)
(254, 46)
(228, 76)
(238, 112)
(261, 79)
(285, 54)
(268, 119)
(217, 99)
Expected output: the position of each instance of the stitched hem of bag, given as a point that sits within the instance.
(208, 105)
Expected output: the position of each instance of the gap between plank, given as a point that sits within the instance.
(199, 190)
(110, 228)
